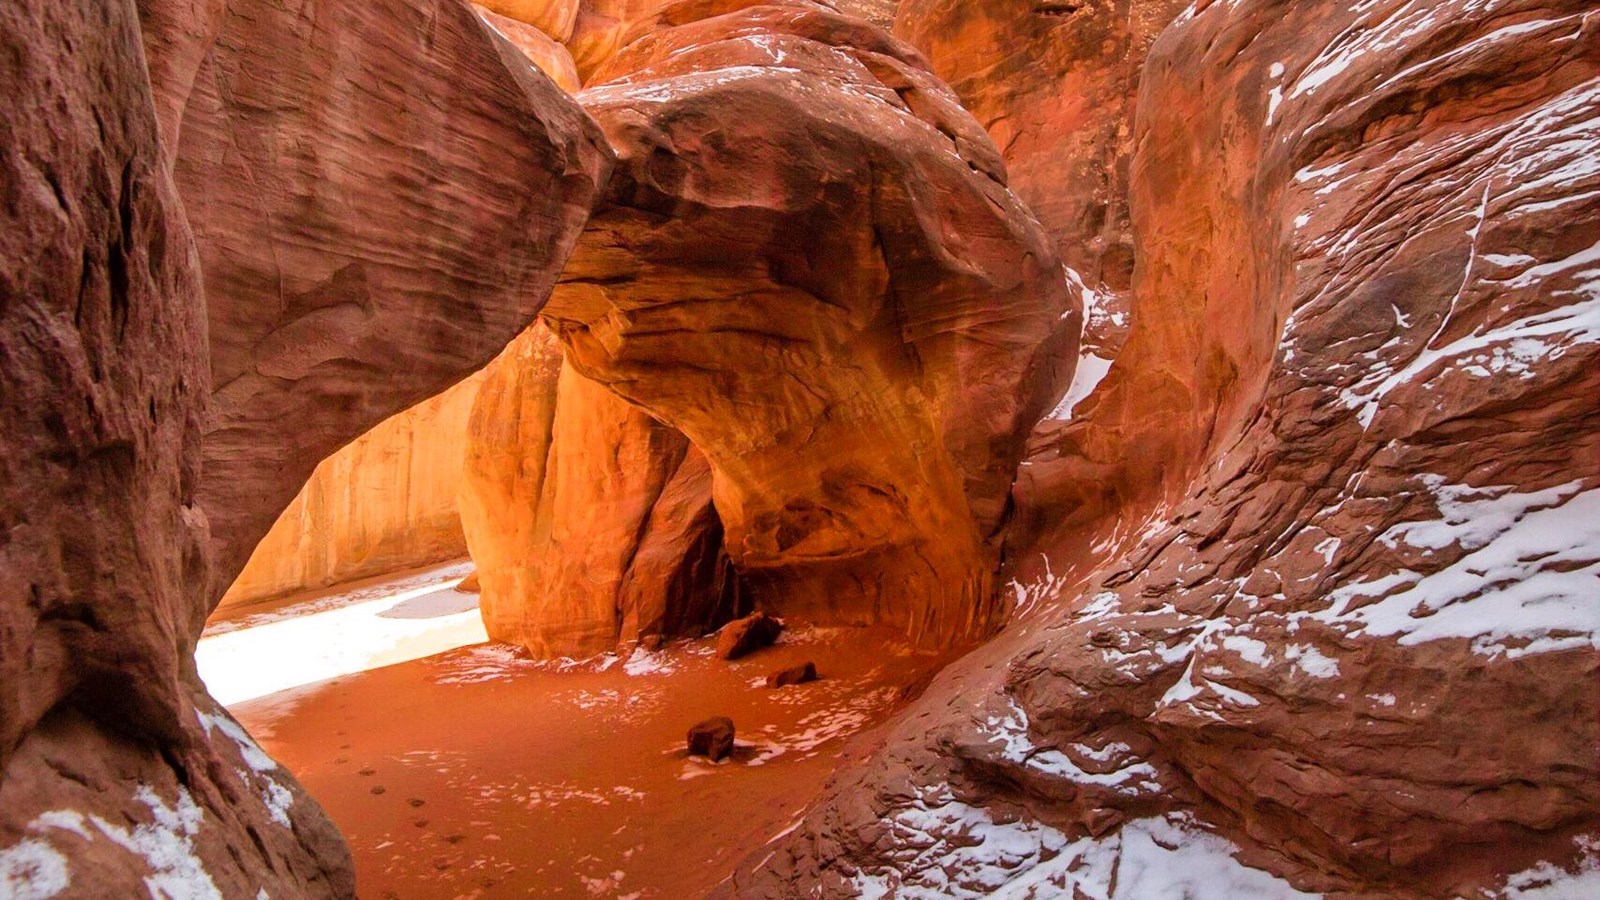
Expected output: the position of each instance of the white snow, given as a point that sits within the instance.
(354, 631)
(644, 662)
(1310, 660)
(166, 845)
(1133, 777)
(1091, 371)
(277, 798)
(1092, 368)
(1529, 583)
(945, 848)
(1546, 881)
(32, 870)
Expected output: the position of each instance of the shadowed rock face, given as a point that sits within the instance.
(347, 243)
(824, 284)
(590, 522)
(104, 729)
(381, 197)
(1344, 611)
(1056, 85)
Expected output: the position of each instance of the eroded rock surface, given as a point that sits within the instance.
(382, 196)
(116, 770)
(355, 232)
(1056, 85)
(823, 282)
(1334, 628)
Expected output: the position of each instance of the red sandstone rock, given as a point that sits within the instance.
(747, 635)
(340, 293)
(834, 297)
(1331, 592)
(590, 522)
(115, 767)
(379, 195)
(541, 48)
(383, 503)
(712, 738)
(801, 674)
(1056, 85)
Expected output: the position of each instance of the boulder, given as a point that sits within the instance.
(712, 738)
(747, 635)
(862, 419)
(801, 674)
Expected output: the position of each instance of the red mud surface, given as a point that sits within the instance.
(476, 773)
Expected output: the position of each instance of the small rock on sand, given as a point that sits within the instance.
(793, 675)
(712, 738)
(747, 635)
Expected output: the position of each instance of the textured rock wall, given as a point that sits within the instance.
(315, 266)
(384, 502)
(116, 770)
(825, 284)
(1341, 624)
(307, 150)
(1056, 85)
(590, 522)
(536, 43)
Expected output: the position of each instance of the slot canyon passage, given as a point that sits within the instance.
(1126, 449)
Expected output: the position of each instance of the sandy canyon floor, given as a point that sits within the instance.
(459, 768)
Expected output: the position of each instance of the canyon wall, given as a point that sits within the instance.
(1336, 629)
(1056, 85)
(224, 256)
(383, 503)
(590, 522)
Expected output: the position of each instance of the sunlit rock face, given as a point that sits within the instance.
(1057, 85)
(543, 50)
(1342, 623)
(594, 30)
(382, 197)
(383, 503)
(810, 265)
(590, 522)
(235, 236)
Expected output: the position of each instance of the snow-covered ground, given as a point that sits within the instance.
(378, 624)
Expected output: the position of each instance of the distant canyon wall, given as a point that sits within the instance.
(386, 501)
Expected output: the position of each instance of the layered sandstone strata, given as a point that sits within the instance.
(234, 238)
(1344, 612)
(1056, 85)
(810, 265)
